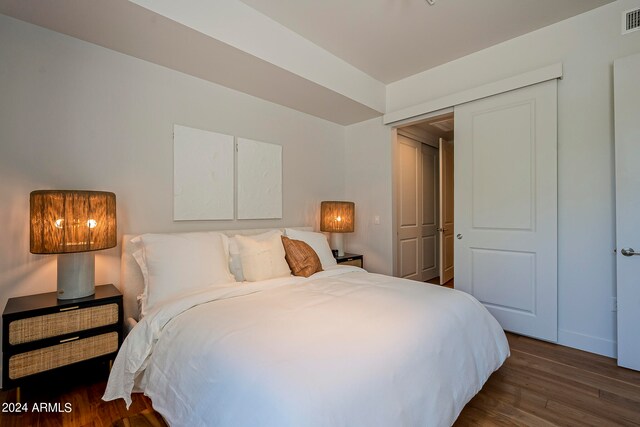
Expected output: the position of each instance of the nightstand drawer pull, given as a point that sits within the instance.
(69, 339)
(70, 308)
(36, 328)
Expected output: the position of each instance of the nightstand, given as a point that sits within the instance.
(350, 259)
(41, 334)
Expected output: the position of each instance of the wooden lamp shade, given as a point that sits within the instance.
(73, 224)
(337, 217)
(68, 221)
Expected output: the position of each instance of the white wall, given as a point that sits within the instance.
(368, 182)
(586, 45)
(77, 116)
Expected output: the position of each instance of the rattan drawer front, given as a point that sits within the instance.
(354, 262)
(44, 359)
(65, 322)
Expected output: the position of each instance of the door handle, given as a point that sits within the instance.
(629, 252)
(442, 230)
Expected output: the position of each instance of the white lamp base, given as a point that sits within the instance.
(76, 275)
(337, 242)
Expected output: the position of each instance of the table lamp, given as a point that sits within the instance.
(337, 218)
(73, 224)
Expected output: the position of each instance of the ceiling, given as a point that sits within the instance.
(331, 59)
(440, 126)
(394, 39)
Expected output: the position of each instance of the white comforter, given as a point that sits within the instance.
(342, 348)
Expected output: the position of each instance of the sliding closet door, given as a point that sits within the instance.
(506, 207)
(409, 200)
(417, 189)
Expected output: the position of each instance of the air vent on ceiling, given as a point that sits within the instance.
(630, 21)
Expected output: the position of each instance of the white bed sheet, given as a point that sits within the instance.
(341, 348)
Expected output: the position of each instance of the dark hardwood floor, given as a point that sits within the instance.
(83, 391)
(436, 281)
(541, 384)
(544, 384)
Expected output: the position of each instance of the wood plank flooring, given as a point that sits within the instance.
(436, 280)
(541, 384)
(84, 392)
(544, 384)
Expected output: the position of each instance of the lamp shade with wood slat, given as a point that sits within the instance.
(337, 218)
(67, 221)
(71, 223)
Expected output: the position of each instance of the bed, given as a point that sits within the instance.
(342, 347)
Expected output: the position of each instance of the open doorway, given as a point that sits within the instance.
(506, 198)
(424, 200)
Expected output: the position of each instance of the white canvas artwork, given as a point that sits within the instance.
(202, 175)
(259, 189)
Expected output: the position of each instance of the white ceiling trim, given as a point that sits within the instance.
(516, 82)
(238, 25)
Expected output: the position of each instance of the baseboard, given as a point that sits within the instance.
(588, 343)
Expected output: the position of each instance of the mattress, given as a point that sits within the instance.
(341, 348)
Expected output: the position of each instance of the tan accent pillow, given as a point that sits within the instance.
(302, 259)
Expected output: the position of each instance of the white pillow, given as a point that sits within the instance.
(318, 243)
(141, 299)
(235, 263)
(174, 263)
(262, 259)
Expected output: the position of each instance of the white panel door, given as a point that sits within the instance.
(627, 126)
(417, 191)
(409, 200)
(505, 206)
(429, 213)
(446, 217)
